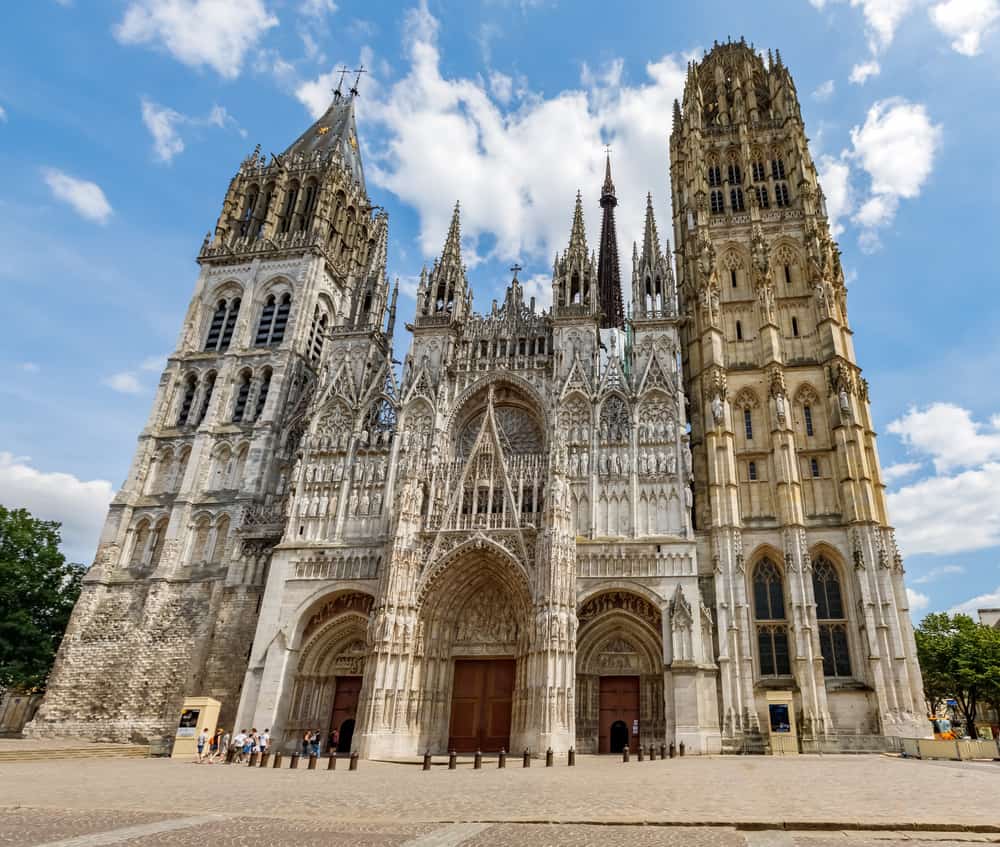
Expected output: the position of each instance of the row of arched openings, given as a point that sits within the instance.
(270, 327)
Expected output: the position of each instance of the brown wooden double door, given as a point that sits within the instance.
(345, 711)
(481, 701)
(618, 714)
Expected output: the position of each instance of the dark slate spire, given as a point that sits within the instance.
(336, 131)
(609, 283)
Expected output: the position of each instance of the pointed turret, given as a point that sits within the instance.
(652, 279)
(574, 274)
(391, 325)
(577, 234)
(447, 288)
(609, 284)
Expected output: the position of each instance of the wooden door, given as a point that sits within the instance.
(619, 703)
(481, 701)
(345, 710)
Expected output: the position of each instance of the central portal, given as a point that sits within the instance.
(619, 714)
(481, 701)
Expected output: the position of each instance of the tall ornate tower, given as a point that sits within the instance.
(170, 604)
(789, 501)
(609, 283)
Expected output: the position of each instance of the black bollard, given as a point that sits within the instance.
(682, 748)
(548, 758)
(354, 762)
(663, 751)
(331, 762)
(277, 759)
(502, 759)
(427, 760)
(252, 761)
(452, 760)
(477, 762)
(312, 762)
(625, 752)
(526, 759)
(294, 762)
(641, 757)
(673, 750)
(571, 758)
(264, 758)
(652, 753)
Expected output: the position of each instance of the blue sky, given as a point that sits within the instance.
(121, 123)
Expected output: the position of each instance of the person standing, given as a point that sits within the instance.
(202, 741)
(315, 742)
(238, 741)
(265, 740)
(306, 742)
(224, 745)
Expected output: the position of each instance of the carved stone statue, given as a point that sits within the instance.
(718, 411)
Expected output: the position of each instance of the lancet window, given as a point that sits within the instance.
(831, 619)
(771, 623)
(242, 393)
(190, 387)
(273, 319)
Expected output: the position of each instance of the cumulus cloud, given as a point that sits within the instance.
(936, 573)
(124, 382)
(79, 505)
(164, 125)
(918, 601)
(824, 91)
(901, 470)
(990, 600)
(948, 435)
(317, 8)
(966, 22)
(882, 18)
(213, 33)
(502, 86)
(539, 286)
(863, 70)
(835, 179)
(85, 197)
(516, 173)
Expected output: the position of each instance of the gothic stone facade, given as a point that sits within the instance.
(556, 529)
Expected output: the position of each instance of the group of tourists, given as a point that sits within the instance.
(312, 742)
(243, 745)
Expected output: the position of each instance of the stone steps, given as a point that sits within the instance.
(91, 751)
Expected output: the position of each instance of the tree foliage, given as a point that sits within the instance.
(37, 591)
(959, 658)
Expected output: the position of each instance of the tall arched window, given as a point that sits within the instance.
(758, 171)
(748, 423)
(308, 205)
(781, 198)
(807, 414)
(769, 616)
(714, 176)
(736, 199)
(273, 319)
(140, 541)
(230, 324)
(735, 175)
(762, 197)
(246, 219)
(718, 205)
(242, 393)
(288, 212)
(190, 386)
(218, 547)
(206, 398)
(831, 619)
(265, 384)
(739, 331)
(215, 328)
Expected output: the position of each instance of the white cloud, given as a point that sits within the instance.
(863, 70)
(516, 173)
(990, 600)
(883, 18)
(901, 470)
(824, 91)
(918, 601)
(937, 573)
(502, 86)
(79, 505)
(162, 123)
(213, 33)
(835, 179)
(86, 198)
(124, 382)
(317, 8)
(538, 286)
(153, 363)
(966, 22)
(948, 434)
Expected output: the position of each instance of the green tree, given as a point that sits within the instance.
(37, 591)
(958, 658)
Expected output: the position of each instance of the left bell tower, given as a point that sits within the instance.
(170, 604)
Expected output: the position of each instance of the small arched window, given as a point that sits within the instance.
(788, 274)
(807, 414)
(769, 615)
(242, 393)
(206, 398)
(814, 467)
(714, 176)
(575, 292)
(732, 277)
(739, 331)
(795, 327)
(265, 385)
(748, 423)
(752, 471)
(736, 199)
(140, 541)
(273, 319)
(831, 619)
(190, 387)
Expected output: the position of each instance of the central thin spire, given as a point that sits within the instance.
(609, 283)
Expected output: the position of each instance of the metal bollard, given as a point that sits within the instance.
(294, 762)
(652, 753)
(673, 750)
(526, 759)
(277, 759)
(452, 760)
(548, 758)
(663, 751)
(641, 757)
(502, 760)
(264, 759)
(331, 762)
(427, 760)
(252, 761)
(682, 748)
(354, 762)
(477, 762)
(625, 752)
(312, 762)
(571, 758)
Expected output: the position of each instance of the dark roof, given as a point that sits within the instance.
(335, 130)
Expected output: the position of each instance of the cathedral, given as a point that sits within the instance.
(622, 521)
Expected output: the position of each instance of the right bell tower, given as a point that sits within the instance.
(789, 504)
